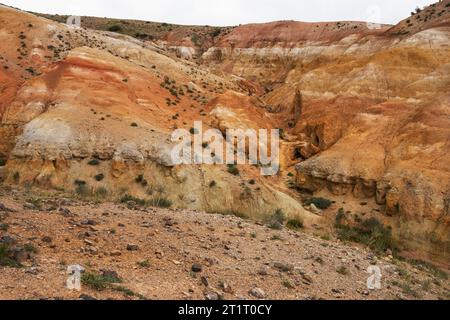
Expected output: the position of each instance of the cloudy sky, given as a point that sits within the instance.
(229, 12)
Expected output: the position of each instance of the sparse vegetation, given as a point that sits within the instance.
(5, 260)
(370, 232)
(94, 162)
(232, 169)
(127, 198)
(97, 281)
(160, 202)
(320, 203)
(343, 270)
(99, 177)
(115, 28)
(295, 224)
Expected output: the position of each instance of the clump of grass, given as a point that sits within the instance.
(232, 169)
(97, 281)
(82, 188)
(279, 216)
(287, 284)
(295, 224)
(160, 202)
(370, 232)
(127, 198)
(343, 270)
(139, 178)
(144, 264)
(99, 177)
(101, 192)
(94, 162)
(320, 203)
(115, 28)
(276, 220)
(212, 184)
(5, 260)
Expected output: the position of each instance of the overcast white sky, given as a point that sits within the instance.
(229, 12)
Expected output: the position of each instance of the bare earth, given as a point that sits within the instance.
(235, 256)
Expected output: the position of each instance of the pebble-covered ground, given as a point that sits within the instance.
(146, 253)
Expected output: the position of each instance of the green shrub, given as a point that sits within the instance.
(94, 162)
(5, 260)
(101, 192)
(160, 202)
(97, 282)
(115, 28)
(320, 203)
(127, 198)
(370, 232)
(233, 170)
(295, 224)
(343, 270)
(99, 177)
(279, 216)
(139, 178)
(83, 190)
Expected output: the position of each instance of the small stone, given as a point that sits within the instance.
(132, 247)
(47, 239)
(226, 287)
(257, 293)
(263, 271)
(88, 242)
(29, 206)
(283, 267)
(115, 253)
(204, 281)
(211, 296)
(307, 279)
(89, 222)
(314, 209)
(87, 297)
(197, 268)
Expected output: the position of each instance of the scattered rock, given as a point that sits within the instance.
(196, 267)
(263, 271)
(211, 296)
(314, 209)
(257, 293)
(132, 247)
(204, 281)
(47, 239)
(283, 267)
(115, 253)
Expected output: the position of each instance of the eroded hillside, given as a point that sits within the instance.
(364, 111)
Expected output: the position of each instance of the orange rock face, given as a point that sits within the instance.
(365, 113)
